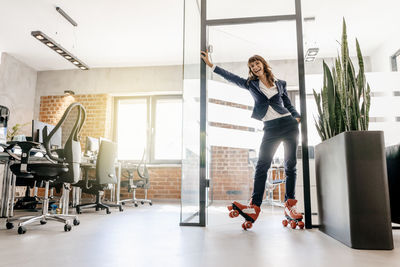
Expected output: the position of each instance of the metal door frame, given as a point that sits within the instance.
(203, 102)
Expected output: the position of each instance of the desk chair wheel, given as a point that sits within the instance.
(142, 202)
(150, 203)
(67, 228)
(136, 205)
(21, 230)
(123, 203)
(108, 211)
(76, 222)
(43, 222)
(120, 208)
(9, 225)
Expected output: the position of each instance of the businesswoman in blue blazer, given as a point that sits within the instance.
(272, 106)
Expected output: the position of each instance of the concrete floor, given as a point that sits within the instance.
(151, 236)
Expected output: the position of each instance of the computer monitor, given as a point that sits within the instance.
(4, 114)
(92, 146)
(37, 133)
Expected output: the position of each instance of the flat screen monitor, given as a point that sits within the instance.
(37, 134)
(92, 146)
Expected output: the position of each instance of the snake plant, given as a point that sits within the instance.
(344, 101)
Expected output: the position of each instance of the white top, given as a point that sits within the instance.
(271, 114)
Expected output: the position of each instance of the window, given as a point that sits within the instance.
(395, 59)
(152, 124)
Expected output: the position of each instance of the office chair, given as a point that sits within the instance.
(393, 173)
(61, 166)
(274, 178)
(105, 175)
(133, 184)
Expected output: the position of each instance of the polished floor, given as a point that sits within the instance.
(151, 236)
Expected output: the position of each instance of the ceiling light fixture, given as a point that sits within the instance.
(59, 49)
(311, 54)
(69, 92)
(65, 15)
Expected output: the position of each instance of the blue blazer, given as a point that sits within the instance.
(280, 102)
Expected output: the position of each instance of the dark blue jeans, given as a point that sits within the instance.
(284, 130)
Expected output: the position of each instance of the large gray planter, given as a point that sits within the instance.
(352, 190)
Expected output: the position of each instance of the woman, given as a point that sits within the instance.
(273, 107)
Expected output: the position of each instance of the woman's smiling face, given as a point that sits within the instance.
(257, 68)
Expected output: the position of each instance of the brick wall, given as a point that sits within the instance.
(165, 183)
(98, 114)
(231, 173)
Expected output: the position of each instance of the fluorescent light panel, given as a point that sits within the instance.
(59, 49)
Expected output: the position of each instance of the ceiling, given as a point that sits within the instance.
(122, 33)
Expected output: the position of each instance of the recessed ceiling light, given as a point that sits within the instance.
(313, 51)
(59, 49)
(69, 92)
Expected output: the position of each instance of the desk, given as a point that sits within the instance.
(6, 187)
(115, 191)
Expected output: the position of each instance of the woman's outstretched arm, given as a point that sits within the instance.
(233, 78)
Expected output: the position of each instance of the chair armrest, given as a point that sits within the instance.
(25, 146)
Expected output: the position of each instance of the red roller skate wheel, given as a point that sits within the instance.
(244, 226)
(285, 223)
(293, 224)
(233, 213)
(301, 225)
(248, 224)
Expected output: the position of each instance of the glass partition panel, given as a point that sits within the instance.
(190, 189)
(168, 130)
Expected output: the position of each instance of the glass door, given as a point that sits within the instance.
(198, 27)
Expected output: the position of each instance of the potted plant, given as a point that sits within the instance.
(352, 191)
(15, 130)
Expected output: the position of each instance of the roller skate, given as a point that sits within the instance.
(292, 216)
(249, 213)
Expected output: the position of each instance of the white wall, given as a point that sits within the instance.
(17, 91)
(116, 81)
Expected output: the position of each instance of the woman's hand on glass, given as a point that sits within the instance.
(204, 56)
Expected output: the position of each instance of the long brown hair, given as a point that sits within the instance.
(267, 69)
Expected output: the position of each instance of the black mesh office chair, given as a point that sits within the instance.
(61, 166)
(393, 173)
(105, 175)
